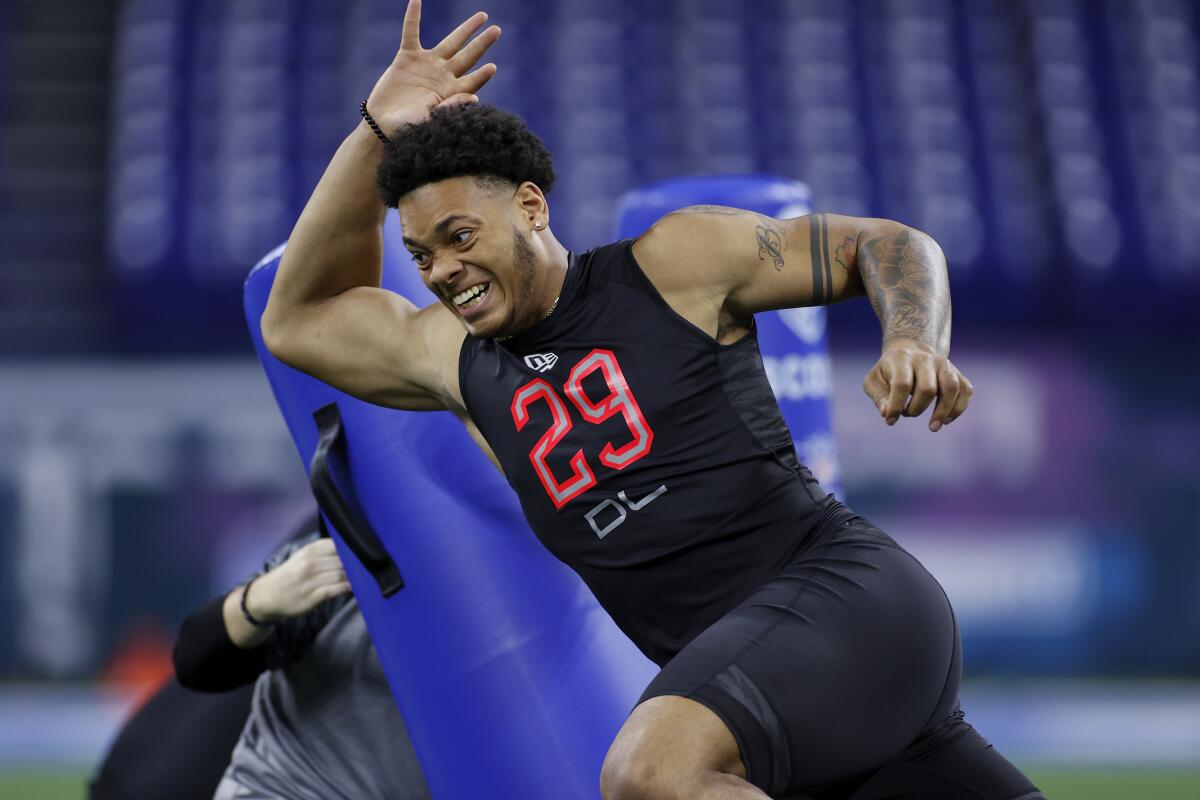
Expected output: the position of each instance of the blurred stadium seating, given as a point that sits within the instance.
(1045, 144)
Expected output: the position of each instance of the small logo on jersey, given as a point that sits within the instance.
(540, 362)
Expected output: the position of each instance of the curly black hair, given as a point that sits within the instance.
(484, 141)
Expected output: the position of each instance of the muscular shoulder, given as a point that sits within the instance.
(696, 258)
(709, 245)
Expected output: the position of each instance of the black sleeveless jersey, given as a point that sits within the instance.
(647, 457)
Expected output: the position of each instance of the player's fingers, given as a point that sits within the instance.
(924, 389)
(948, 391)
(330, 576)
(966, 391)
(474, 81)
(458, 100)
(320, 547)
(325, 564)
(466, 58)
(876, 388)
(317, 586)
(312, 559)
(458, 37)
(332, 590)
(900, 385)
(410, 35)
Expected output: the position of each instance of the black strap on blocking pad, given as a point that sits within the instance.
(356, 531)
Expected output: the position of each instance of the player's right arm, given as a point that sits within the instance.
(716, 262)
(327, 314)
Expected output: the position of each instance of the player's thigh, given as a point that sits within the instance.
(671, 740)
(830, 670)
(962, 765)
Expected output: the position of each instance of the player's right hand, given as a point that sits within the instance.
(419, 80)
(310, 576)
(909, 367)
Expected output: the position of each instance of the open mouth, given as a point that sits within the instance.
(470, 298)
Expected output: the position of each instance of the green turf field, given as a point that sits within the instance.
(1058, 784)
(1116, 784)
(42, 785)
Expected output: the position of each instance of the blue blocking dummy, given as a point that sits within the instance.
(511, 679)
(793, 343)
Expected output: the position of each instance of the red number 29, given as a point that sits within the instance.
(619, 400)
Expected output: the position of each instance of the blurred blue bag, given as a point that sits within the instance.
(792, 341)
(511, 679)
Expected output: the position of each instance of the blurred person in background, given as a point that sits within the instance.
(322, 722)
(151, 758)
(280, 673)
(803, 651)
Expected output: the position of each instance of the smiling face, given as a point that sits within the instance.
(476, 247)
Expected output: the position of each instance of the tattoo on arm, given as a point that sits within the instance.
(818, 228)
(841, 254)
(770, 243)
(906, 282)
(824, 291)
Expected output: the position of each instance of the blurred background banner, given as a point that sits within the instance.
(152, 150)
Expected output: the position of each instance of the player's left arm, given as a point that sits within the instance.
(743, 262)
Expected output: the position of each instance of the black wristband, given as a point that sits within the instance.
(246, 612)
(362, 109)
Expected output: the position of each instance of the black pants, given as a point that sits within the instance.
(839, 679)
(177, 745)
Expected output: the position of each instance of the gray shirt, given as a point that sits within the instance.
(325, 727)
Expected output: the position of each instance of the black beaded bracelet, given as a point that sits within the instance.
(371, 122)
(246, 612)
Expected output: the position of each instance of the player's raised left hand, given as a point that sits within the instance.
(419, 80)
(909, 376)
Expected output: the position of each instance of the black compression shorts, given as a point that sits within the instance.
(839, 679)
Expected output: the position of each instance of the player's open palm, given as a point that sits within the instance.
(419, 80)
(310, 576)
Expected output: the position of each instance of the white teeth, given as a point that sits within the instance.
(463, 297)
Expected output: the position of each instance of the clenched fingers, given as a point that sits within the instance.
(877, 389)
(948, 389)
(322, 587)
(905, 382)
(332, 590)
(965, 392)
(323, 580)
(316, 558)
(925, 388)
(898, 376)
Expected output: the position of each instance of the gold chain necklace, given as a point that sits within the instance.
(549, 311)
